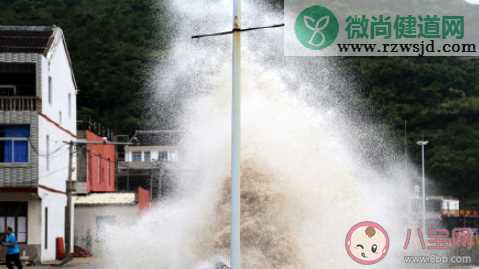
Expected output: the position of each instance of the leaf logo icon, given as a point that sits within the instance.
(317, 26)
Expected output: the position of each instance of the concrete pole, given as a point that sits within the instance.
(69, 216)
(235, 247)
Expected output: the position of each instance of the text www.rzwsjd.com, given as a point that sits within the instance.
(420, 49)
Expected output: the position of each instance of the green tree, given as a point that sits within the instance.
(439, 98)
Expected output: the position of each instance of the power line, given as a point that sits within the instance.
(48, 154)
(49, 173)
(99, 156)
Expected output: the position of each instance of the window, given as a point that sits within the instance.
(46, 227)
(50, 86)
(22, 229)
(163, 156)
(14, 143)
(147, 156)
(69, 105)
(14, 215)
(136, 156)
(48, 153)
(60, 117)
(8, 90)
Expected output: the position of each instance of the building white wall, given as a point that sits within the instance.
(57, 66)
(55, 202)
(56, 154)
(86, 227)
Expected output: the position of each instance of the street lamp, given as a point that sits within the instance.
(423, 143)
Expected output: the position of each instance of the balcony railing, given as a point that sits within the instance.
(19, 103)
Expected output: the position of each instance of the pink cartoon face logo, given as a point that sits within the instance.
(367, 243)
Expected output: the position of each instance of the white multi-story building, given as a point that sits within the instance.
(150, 162)
(37, 116)
(153, 145)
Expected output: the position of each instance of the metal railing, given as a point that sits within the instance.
(19, 103)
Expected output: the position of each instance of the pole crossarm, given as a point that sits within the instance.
(238, 30)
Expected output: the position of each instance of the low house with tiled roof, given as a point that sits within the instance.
(97, 213)
(37, 115)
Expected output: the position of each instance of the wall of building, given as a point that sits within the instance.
(52, 127)
(57, 121)
(34, 222)
(56, 66)
(54, 155)
(34, 228)
(90, 221)
(55, 223)
(101, 161)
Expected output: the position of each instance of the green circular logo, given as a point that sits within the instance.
(316, 27)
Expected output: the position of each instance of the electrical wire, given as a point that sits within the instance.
(100, 157)
(50, 154)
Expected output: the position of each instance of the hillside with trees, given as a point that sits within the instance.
(439, 99)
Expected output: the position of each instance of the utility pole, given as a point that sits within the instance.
(422, 144)
(69, 210)
(70, 189)
(236, 142)
(235, 244)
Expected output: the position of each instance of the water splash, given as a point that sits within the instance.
(305, 180)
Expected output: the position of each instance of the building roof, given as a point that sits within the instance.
(156, 138)
(28, 39)
(106, 199)
(33, 39)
